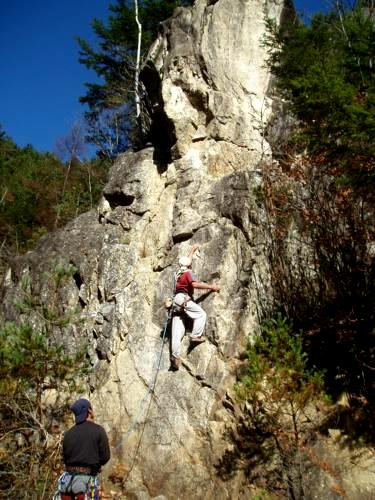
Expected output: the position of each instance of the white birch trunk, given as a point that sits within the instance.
(137, 66)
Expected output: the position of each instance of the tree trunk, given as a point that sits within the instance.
(137, 66)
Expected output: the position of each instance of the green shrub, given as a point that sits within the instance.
(278, 378)
(278, 392)
(38, 376)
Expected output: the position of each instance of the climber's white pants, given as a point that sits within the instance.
(194, 312)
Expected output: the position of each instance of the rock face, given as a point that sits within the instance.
(197, 184)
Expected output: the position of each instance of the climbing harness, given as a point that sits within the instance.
(172, 309)
(170, 306)
(179, 309)
(65, 486)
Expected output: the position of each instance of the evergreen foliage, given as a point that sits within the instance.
(278, 392)
(320, 209)
(111, 116)
(38, 376)
(325, 72)
(30, 363)
(31, 367)
(278, 368)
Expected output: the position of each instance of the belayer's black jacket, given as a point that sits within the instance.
(86, 445)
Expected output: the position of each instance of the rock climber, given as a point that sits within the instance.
(85, 451)
(184, 305)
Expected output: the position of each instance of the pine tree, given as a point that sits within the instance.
(111, 117)
(325, 72)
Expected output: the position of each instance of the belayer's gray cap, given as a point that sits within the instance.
(80, 409)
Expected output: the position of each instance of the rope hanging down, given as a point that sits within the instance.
(152, 383)
(150, 388)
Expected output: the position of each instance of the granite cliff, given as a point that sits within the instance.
(196, 183)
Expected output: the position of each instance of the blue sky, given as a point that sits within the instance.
(41, 79)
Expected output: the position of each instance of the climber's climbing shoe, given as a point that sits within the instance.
(175, 362)
(197, 340)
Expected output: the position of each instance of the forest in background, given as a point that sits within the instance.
(41, 192)
(312, 369)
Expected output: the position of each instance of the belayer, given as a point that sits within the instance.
(85, 450)
(184, 305)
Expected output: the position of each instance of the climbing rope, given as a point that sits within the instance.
(151, 385)
(150, 391)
